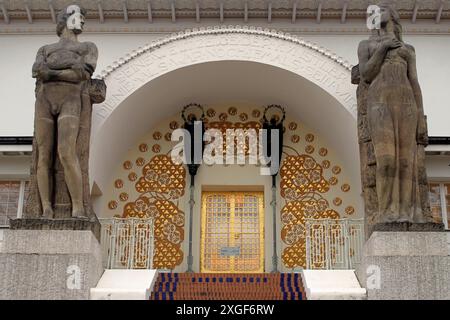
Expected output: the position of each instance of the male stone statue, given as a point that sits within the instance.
(64, 96)
(392, 130)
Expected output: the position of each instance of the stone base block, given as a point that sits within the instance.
(406, 266)
(407, 226)
(48, 264)
(332, 285)
(125, 285)
(57, 224)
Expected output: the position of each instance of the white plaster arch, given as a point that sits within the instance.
(314, 63)
(130, 75)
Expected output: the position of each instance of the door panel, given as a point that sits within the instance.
(232, 236)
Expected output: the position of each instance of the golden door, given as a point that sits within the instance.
(232, 235)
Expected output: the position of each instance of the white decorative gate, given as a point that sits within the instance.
(127, 243)
(334, 243)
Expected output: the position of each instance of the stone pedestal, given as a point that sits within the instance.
(48, 264)
(57, 224)
(406, 265)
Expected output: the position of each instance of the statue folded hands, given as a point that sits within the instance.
(392, 126)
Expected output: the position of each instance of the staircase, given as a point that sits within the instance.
(211, 286)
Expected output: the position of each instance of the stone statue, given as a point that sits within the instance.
(392, 130)
(65, 93)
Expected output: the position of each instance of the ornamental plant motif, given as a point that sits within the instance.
(161, 184)
(302, 186)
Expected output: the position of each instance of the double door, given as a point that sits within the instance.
(232, 234)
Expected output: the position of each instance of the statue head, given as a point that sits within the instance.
(71, 18)
(390, 14)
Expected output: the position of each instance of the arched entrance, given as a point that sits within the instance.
(220, 66)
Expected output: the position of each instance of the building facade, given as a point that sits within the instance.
(234, 58)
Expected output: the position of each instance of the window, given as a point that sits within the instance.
(11, 200)
(439, 195)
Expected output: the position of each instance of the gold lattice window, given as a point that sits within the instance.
(232, 237)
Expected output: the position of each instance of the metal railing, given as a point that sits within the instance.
(127, 243)
(334, 243)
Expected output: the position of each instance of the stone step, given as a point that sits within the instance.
(332, 285)
(220, 286)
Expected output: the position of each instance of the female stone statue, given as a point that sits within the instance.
(395, 121)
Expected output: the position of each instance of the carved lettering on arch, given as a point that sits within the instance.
(286, 52)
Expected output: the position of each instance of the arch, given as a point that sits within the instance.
(133, 73)
(314, 63)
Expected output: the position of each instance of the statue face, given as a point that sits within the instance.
(76, 20)
(385, 15)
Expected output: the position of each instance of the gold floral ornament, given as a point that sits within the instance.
(345, 187)
(309, 149)
(243, 116)
(295, 138)
(301, 175)
(157, 135)
(232, 111)
(323, 152)
(293, 232)
(123, 196)
(156, 148)
(140, 161)
(309, 137)
(168, 136)
(162, 176)
(210, 112)
(349, 210)
(292, 126)
(132, 176)
(336, 169)
(337, 201)
(143, 147)
(239, 139)
(223, 116)
(127, 165)
(118, 183)
(173, 125)
(168, 232)
(302, 185)
(326, 164)
(256, 113)
(333, 181)
(112, 205)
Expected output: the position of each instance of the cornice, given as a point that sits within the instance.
(285, 9)
(302, 27)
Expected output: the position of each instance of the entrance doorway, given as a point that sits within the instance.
(232, 234)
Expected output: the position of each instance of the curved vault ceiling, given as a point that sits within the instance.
(216, 83)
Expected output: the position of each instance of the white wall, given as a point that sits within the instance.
(438, 168)
(17, 53)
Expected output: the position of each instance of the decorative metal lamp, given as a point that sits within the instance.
(275, 123)
(190, 123)
(196, 128)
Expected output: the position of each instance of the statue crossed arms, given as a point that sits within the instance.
(63, 72)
